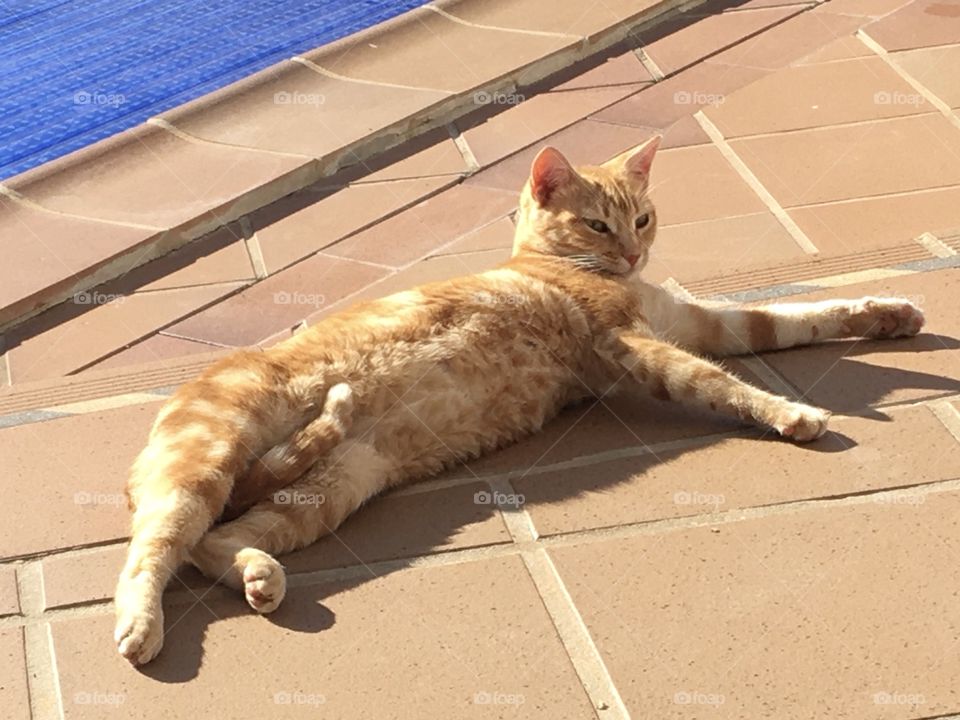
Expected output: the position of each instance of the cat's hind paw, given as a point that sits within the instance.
(139, 635)
(802, 423)
(264, 581)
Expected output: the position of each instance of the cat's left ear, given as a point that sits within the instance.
(636, 162)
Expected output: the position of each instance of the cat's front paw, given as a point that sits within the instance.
(887, 318)
(801, 423)
(139, 634)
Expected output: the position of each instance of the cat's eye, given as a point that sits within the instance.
(643, 221)
(596, 225)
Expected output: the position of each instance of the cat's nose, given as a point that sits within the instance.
(632, 259)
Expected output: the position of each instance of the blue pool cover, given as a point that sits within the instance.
(75, 71)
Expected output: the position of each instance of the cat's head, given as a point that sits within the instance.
(598, 217)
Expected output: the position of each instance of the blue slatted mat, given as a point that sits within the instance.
(76, 71)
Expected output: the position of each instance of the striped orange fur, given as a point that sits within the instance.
(443, 373)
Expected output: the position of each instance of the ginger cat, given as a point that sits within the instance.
(397, 389)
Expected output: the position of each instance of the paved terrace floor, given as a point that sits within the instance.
(663, 564)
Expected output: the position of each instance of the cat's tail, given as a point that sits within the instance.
(285, 463)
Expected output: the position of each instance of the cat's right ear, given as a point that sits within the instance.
(549, 173)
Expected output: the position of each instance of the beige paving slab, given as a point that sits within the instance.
(155, 347)
(806, 96)
(827, 611)
(524, 121)
(852, 375)
(565, 16)
(498, 235)
(79, 487)
(488, 652)
(935, 68)
(719, 476)
(45, 252)
(837, 163)
(428, 50)
(151, 177)
(293, 109)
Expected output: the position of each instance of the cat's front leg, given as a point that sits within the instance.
(672, 374)
(737, 330)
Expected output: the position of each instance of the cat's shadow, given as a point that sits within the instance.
(385, 535)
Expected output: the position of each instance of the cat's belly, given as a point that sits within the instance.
(460, 408)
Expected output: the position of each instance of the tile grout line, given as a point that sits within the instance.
(499, 28)
(754, 183)
(650, 64)
(43, 686)
(169, 127)
(564, 614)
(19, 199)
(924, 91)
(466, 152)
(947, 414)
(320, 70)
(254, 251)
(834, 125)
(934, 245)
(641, 528)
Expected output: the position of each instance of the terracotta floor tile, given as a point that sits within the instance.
(807, 96)
(9, 595)
(848, 227)
(864, 8)
(278, 302)
(584, 143)
(397, 526)
(61, 340)
(150, 176)
(680, 96)
(296, 227)
(592, 428)
(849, 376)
(294, 109)
(85, 577)
(714, 248)
(565, 16)
(434, 269)
(498, 235)
(697, 183)
(83, 499)
(937, 69)
(527, 122)
(921, 23)
(433, 153)
(744, 472)
(422, 614)
(155, 347)
(44, 251)
(698, 38)
(789, 41)
(704, 621)
(14, 692)
(843, 48)
(838, 163)
(427, 226)
(220, 257)
(427, 50)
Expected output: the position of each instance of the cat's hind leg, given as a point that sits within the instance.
(670, 373)
(239, 553)
(286, 462)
